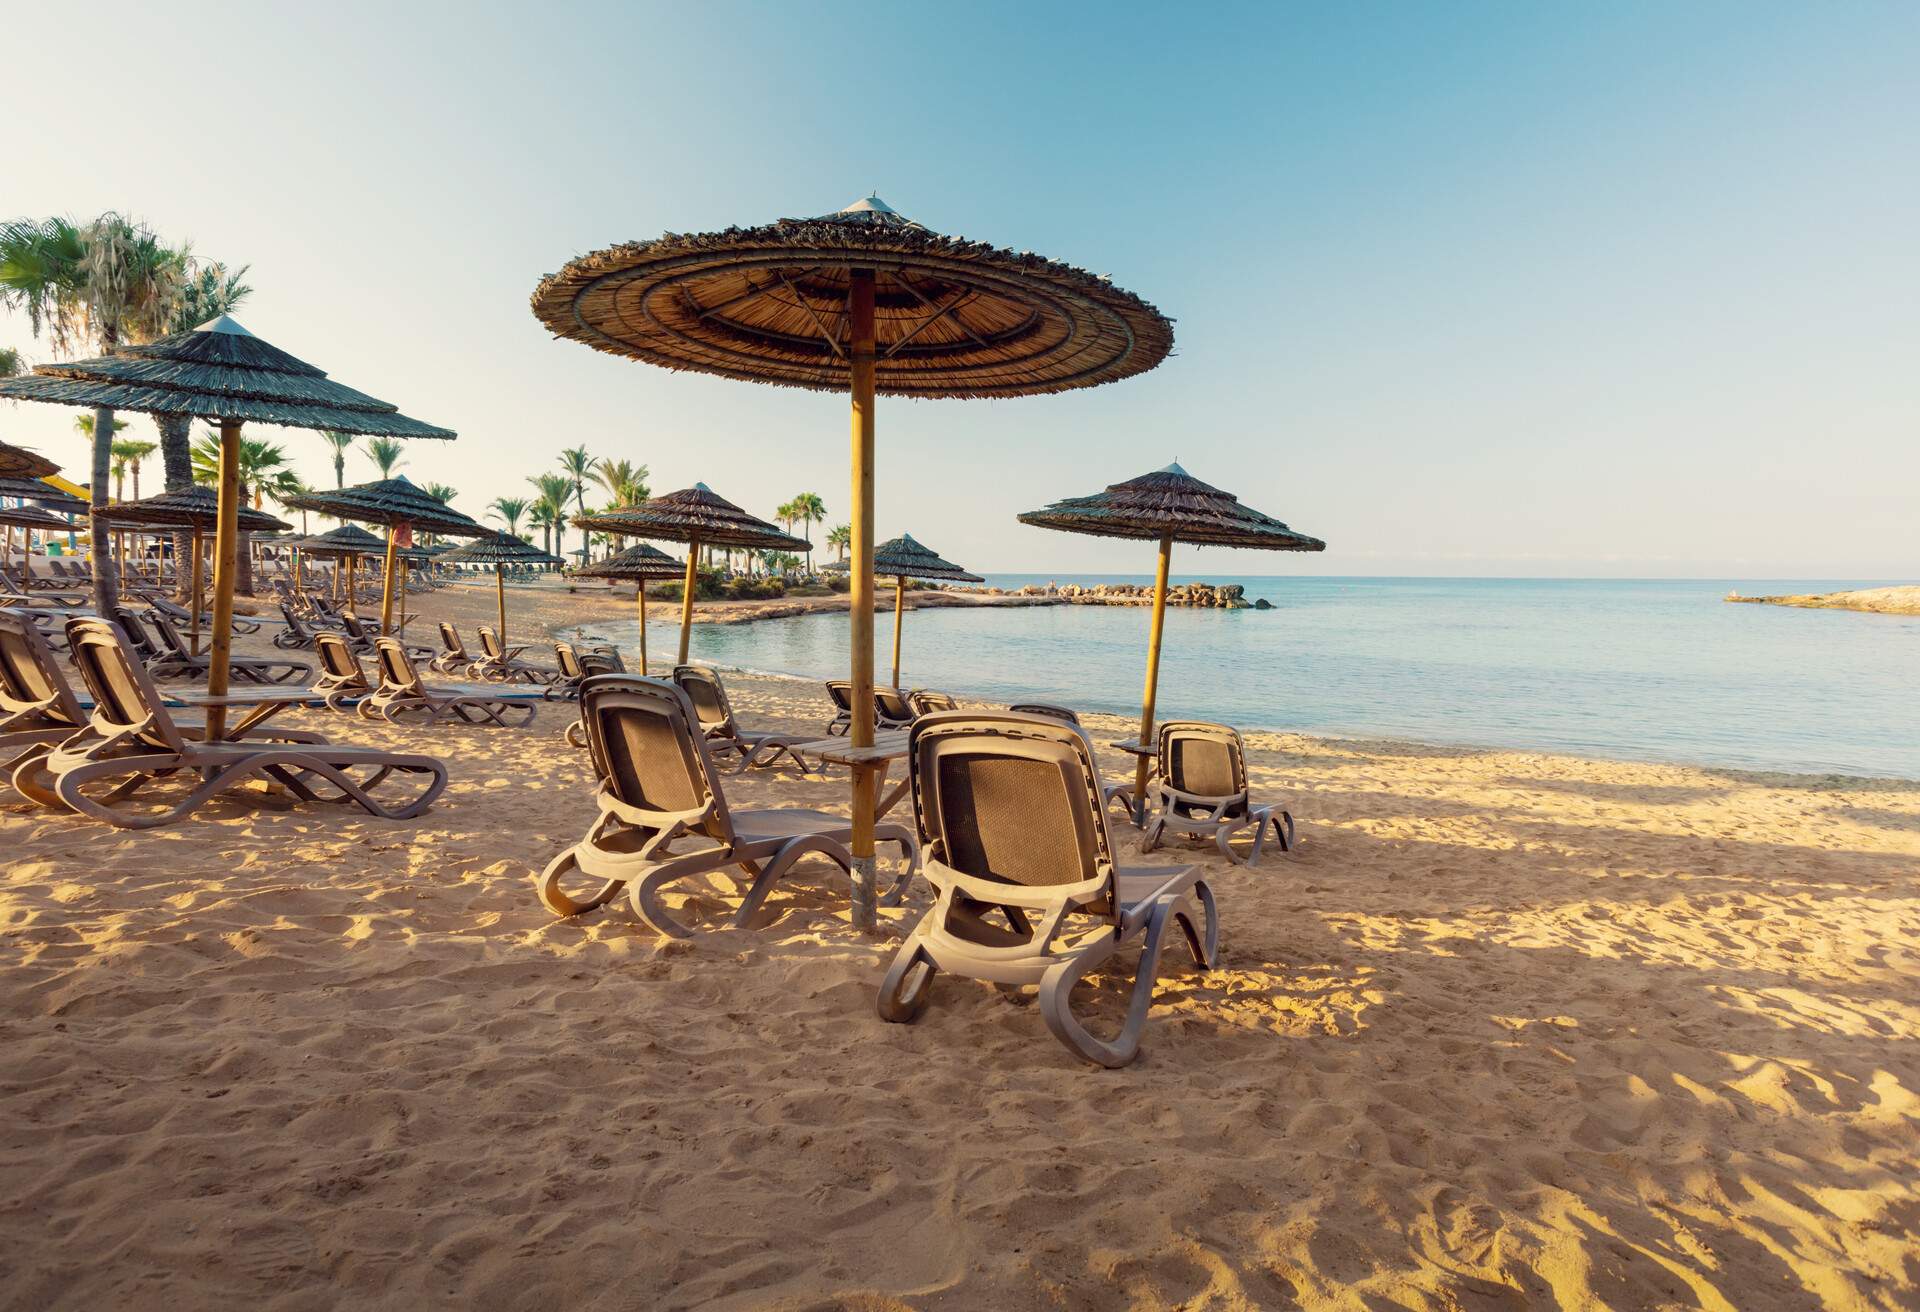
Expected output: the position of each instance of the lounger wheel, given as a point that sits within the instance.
(908, 984)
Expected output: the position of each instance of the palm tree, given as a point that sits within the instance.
(128, 452)
(554, 489)
(11, 362)
(840, 538)
(441, 492)
(263, 470)
(508, 511)
(109, 282)
(341, 444)
(385, 452)
(542, 517)
(809, 510)
(578, 467)
(625, 481)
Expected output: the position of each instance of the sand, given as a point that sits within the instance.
(1509, 1030)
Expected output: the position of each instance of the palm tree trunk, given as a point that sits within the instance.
(176, 469)
(136, 480)
(106, 587)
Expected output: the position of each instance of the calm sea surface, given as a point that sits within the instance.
(1658, 670)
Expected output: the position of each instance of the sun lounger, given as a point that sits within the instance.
(404, 698)
(300, 631)
(890, 709)
(130, 741)
(724, 734)
(499, 664)
(1011, 821)
(1200, 791)
(181, 615)
(664, 816)
(343, 680)
(175, 659)
(453, 657)
(840, 693)
(1047, 709)
(925, 701)
(589, 662)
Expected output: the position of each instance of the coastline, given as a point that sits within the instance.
(1903, 600)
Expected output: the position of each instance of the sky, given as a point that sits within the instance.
(1463, 289)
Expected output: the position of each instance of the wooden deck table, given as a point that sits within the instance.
(889, 745)
(265, 703)
(1133, 747)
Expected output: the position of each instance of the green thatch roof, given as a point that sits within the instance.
(18, 462)
(194, 506)
(216, 371)
(953, 318)
(388, 501)
(694, 513)
(904, 558)
(498, 549)
(347, 540)
(1171, 503)
(637, 562)
(42, 494)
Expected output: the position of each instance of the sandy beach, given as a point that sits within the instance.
(1508, 1030)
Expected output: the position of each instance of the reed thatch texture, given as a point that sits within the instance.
(195, 507)
(637, 563)
(389, 501)
(347, 540)
(498, 548)
(953, 318)
(696, 513)
(43, 494)
(906, 559)
(18, 462)
(218, 371)
(1171, 503)
(32, 517)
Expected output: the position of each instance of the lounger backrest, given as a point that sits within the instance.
(31, 684)
(1046, 709)
(890, 704)
(135, 635)
(1010, 798)
(647, 748)
(709, 697)
(450, 639)
(123, 695)
(840, 693)
(568, 660)
(169, 636)
(601, 660)
(1204, 759)
(489, 643)
(396, 667)
(337, 659)
(925, 701)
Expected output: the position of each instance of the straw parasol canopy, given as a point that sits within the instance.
(1168, 505)
(872, 302)
(638, 562)
(222, 373)
(194, 507)
(903, 559)
(42, 494)
(31, 517)
(347, 540)
(699, 517)
(500, 550)
(393, 502)
(18, 462)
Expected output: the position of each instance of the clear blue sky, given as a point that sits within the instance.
(1623, 289)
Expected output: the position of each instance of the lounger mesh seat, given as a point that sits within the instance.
(1015, 842)
(1200, 791)
(664, 815)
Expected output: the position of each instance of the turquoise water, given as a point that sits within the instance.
(1657, 670)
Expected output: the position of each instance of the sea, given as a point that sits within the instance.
(1660, 670)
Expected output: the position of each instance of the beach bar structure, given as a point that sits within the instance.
(223, 374)
(1167, 506)
(865, 302)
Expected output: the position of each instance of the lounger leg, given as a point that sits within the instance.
(1283, 830)
(1056, 997)
(1203, 940)
(908, 983)
(783, 861)
(558, 902)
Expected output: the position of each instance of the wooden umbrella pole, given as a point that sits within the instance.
(500, 598)
(352, 601)
(226, 563)
(860, 731)
(899, 609)
(386, 586)
(686, 598)
(640, 600)
(193, 621)
(1153, 675)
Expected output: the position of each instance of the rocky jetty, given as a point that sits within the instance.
(1878, 601)
(1213, 596)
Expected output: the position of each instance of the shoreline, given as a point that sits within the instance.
(1901, 600)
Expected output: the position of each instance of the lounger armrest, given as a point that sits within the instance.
(1217, 807)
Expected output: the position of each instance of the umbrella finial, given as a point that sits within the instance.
(224, 323)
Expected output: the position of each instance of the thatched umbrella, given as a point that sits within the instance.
(1169, 505)
(18, 462)
(221, 373)
(699, 517)
(197, 508)
(345, 545)
(863, 301)
(499, 550)
(638, 562)
(42, 494)
(903, 559)
(397, 504)
(28, 518)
